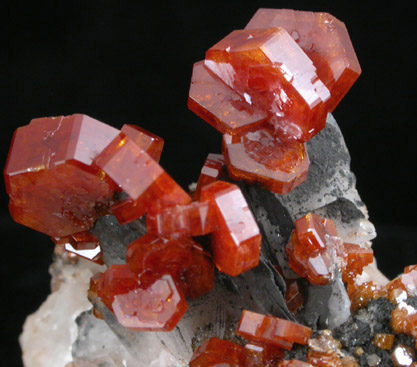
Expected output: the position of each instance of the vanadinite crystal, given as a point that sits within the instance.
(185, 260)
(149, 142)
(219, 105)
(269, 70)
(261, 157)
(195, 219)
(211, 172)
(315, 250)
(145, 182)
(272, 330)
(52, 185)
(155, 306)
(236, 244)
(324, 39)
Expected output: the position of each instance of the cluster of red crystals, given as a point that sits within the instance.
(236, 244)
(52, 184)
(155, 306)
(185, 260)
(315, 250)
(286, 70)
(405, 282)
(272, 330)
(324, 39)
(404, 320)
(261, 157)
(293, 363)
(361, 294)
(145, 182)
(269, 69)
(82, 244)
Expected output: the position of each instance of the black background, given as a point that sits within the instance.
(127, 62)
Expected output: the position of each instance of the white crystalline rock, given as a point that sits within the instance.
(49, 333)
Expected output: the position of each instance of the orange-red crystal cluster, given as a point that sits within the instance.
(315, 252)
(268, 89)
(268, 338)
(62, 174)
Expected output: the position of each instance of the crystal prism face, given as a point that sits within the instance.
(324, 39)
(236, 244)
(260, 157)
(211, 172)
(158, 307)
(52, 185)
(272, 330)
(195, 219)
(145, 182)
(189, 265)
(219, 105)
(269, 70)
(145, 140)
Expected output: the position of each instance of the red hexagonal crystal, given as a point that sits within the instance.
(53, 187)
(217, 352)
(182, 258)
(144, 180)
(269, 69)
(236, 244)
(147, 141)
(262, 355)
(219, 105)
(356, 259)
(195, 219)
(324, 39)
(157, 307)
(272, 330)
(212, 171)
(261, 157)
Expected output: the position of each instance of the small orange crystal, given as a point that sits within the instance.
(384, 341)
(237, 242)
(261, 157)
(272, 330)
(293, 363)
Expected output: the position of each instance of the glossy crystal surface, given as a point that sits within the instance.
(219, 105)
(189, 265)
(157, 307)
(194, 219)
(272, 330)
(140, 177)
(324, 39)
(260, 157)
(211, 172)
(52, 185)
(147, 141)
(269, 69)
(236, 244)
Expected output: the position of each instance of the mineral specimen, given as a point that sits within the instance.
(284, 251)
